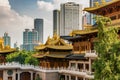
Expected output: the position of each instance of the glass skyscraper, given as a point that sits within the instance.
(56, 22)
(38, 26)
(7, 39)
(30, 39)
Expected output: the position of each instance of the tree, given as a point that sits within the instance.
(107, 65)
(23, 57)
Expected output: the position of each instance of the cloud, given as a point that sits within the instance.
(48, 6)
(12, 22)
(4, 3)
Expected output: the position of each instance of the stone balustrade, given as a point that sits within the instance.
(69, 70)
(91, 53)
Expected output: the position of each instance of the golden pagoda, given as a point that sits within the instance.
(53, 52)
(4, 50)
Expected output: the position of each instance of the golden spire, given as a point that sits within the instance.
(1, 43)
(96, 4)
(55, 36)
(103, 2)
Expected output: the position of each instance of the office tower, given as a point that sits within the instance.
(30, 39)
(7, 39)
(38, 26)
(70, 17)
(56, 22)
(15, 45)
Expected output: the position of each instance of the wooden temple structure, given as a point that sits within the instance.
(83, 40)
(4, 50)
(52, 54)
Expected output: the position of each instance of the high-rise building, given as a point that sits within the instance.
(7, 39)
(38, 26)
(30, 39)
(70, 17)
(56, 22)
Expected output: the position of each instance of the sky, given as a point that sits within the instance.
(17, 15)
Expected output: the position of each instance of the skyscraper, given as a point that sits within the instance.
(38, 26)
(7, 39)
(70, 17)
(56, 22)
(30, 39)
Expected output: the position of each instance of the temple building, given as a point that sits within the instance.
(13, 71)
(83, 54)
(52, 54)
(4, 50)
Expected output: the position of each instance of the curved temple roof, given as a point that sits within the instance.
(99, 6)
(55, 43)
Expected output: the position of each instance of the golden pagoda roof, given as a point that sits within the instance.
(55, 43)
(114, 23)
(98, 6)
(83, 32)
(5, 49)
(52, 55)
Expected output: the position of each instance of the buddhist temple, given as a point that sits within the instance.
(109, 9)
(4, 50)
(52, 54)
(83, 40)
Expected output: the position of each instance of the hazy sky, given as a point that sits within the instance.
(16, 15)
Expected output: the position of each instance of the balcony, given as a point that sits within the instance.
(115, 23)
(69, 70)
(91, 53)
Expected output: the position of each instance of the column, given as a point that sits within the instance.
(69, 77)
(65, 77)
(84, 66)
(89, 65)
(83, 78)
(76, 65)
(18, 76)
(31, 75)
(76, 78)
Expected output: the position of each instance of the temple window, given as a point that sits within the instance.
(113, 17)
(118, 16)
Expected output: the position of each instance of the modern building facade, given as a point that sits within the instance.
(56, 22)
(70, 17)
(7, 39)
(38, 26)
(30, 39)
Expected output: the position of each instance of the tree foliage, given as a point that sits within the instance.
(107, 65)
(23, 57)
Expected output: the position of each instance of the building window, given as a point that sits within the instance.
(118, 16)
(113, 17)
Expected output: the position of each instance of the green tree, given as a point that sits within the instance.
(23, 57)
(107, 65)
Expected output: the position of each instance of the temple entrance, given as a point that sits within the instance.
(1, 75)
(9, 78)
(25, 76)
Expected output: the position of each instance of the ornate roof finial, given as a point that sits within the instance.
(55, 36)
(96, 4)
(103, 2)
(1, 43)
